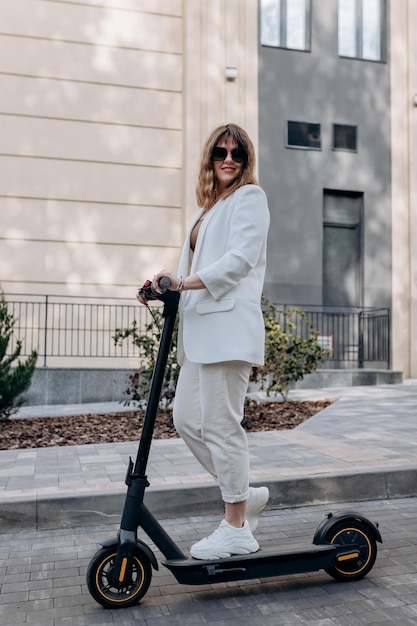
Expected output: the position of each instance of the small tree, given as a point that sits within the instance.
(288, 357)
(148, 343)
(13, 381)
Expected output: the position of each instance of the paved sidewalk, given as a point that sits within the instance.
(362, 447)
(42, 578)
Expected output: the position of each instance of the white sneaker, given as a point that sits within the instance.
(225, 541)
(258, 498)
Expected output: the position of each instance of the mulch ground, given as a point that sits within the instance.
(126, 426)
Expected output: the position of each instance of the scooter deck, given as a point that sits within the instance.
(265, 563)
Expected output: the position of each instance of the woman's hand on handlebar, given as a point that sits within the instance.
(175, 280)
(154, 285)
(140, 299)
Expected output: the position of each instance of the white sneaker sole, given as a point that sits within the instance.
(223, 554)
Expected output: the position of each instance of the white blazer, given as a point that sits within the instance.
(224, 322)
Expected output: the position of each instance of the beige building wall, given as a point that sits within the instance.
(403, 64)
(103, 111)
(91, 143)
(218, 34)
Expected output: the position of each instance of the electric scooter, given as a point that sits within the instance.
(120, 572)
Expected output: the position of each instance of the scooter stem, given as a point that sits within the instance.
(134, 511)
(170, 299)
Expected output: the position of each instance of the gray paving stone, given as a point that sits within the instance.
(13, 620)
(387, 596)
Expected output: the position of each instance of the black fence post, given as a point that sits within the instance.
(45, 343)
(388, 335)
(360, 341)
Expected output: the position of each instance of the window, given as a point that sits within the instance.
(342, 258)
(345, 137)
(285, 24)
(303, 135)
(362, 29)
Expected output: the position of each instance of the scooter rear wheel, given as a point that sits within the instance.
(113, 595)
(351, 533)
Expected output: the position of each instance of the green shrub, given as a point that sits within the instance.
(13, 381)
(148, 343)
(288, 356)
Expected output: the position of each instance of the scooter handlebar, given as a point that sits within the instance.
(148, 291)
(164, 283)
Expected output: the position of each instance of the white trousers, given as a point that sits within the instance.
(208, 411)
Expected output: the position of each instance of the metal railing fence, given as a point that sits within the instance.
(357, 337)
(66, 327)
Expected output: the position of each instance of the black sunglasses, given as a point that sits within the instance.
(239, 155)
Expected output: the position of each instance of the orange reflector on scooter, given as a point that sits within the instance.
(347, 557)
(123, 570)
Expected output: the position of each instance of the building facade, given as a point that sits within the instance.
(105, 106)
(325, 163)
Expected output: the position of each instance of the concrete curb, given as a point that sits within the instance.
(98, 507)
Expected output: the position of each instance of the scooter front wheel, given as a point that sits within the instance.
(352, 533)
(111, 594)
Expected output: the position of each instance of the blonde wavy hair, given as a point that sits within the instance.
(205, 188)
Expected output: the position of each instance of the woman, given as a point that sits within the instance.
(221, 331)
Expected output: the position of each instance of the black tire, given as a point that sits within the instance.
(113, 596)
(353, 533)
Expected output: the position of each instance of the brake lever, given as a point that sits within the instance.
(148, 291)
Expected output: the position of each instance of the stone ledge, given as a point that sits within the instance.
(83, 385)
